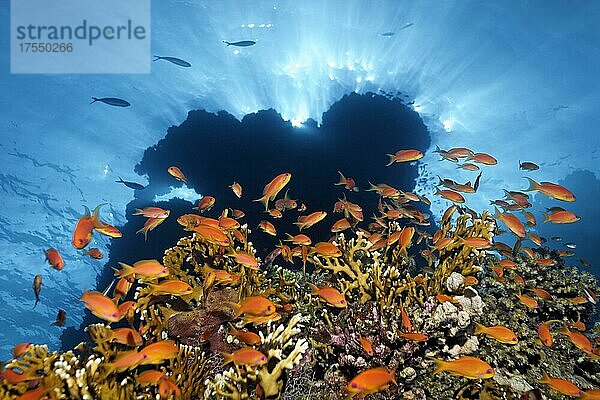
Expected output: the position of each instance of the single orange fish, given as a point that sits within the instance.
(275, 213)
(478, 243)
(101, 306)
(468, 167)
(507, 264)
(268, 228)
(176, 173)
(156, 353)
(246, 259)
(108, 230)
(578, 339)
(404, 156)
(511, 222)
(237, 189)
(371, 381)
(340, 225)
(147, 269)
(54, 258)
(273, 188)
(228, 224)
(470, 280)
(527, 301)
(541, 293)
(348, 183)
(14, 378)
(149, 225)
(561, 217)
(126, 360)
(326, 249)
(82, 235)
(590, 394)
(406, 236)
(414, 336)
(468, 367)
(460, 152)
(149, 377)
(443, 298)
(299, 239)
(254, 305)
(535, 238)
(245, 356)
(519, 279)
(498, 332)
(545, 262)
(544, 334)
(531, 221)
(560, 385)
(483, 158)
(366, 345)
(171, 287)
(330, 295)
(406, 323)
(205, 204)
(553, 190)
(450, 195)
(95, 253)
(152, 212)
(126, 336)
(167, 389)
(20, 349)
(237, 214)
(247, 337)
(306, 221)
(529, 251)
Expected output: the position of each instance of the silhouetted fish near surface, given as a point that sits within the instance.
(61, 317)
(112, 101)
(131, 185)
(388, 34)
(241, 43)
(37, 288)
(174, 60)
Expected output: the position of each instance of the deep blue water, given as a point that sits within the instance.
(516, 80)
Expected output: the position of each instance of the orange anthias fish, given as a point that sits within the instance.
(126, 360)
(149, 377)
(167, 389)
(330, 295)
(212, 235)
(406, 323)
(478, 243)
(20, 349)
(468, 367)
(95, 253)
(109, 230)
(414, 336)
(561, 217)
(152, 212)
(326, 249)
(541, 293)
(101, 306)
(578, 339)
(268, 228)
(82, 235)
(468, 167)
(560, 385)
(245, 356)
(254, 305)
(544, 334)
(156, 353)
(511, 222)
(205, 203)
(228, 224)
(500, 333)
(306, 221)
(483, 158)
(450, 195)
(149, 225)
(247, 337)
(13, 377)
(273, 188)
(590, 394)
(371, 381)
(54, 258)
(553, 190)
(406, 236)
(246, 259)
(348, 183)
(340, 225)
(126, 336)
(176, 173)
(171, 287)
(299, 239)
(527, 301)
(147, 269)
(404, 156)
(237, 189)
(366, 345)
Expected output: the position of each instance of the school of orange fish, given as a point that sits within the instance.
(394, 205)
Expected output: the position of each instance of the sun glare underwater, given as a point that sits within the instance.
(314, 199)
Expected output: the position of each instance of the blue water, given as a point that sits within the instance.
(515, 79)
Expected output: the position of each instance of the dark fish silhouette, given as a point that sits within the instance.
(61, 317)
(529, 166)
(113, 101)
(174, 60)
(476, 185)
(388, 34)
(37, 288)
(241, 43)
(131, 185)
